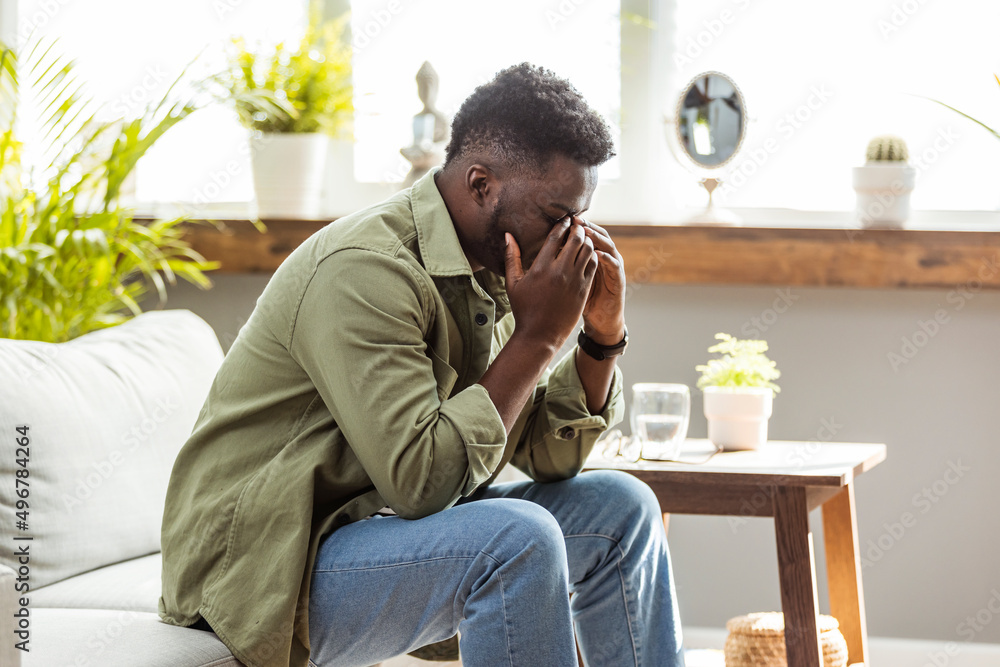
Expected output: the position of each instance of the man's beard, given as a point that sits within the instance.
(492, 248)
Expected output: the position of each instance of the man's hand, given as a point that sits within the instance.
(548, 300)
(604, 313)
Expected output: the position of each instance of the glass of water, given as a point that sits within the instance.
(659, 417)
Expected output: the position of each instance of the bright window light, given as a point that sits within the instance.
(467, 43)
(820, 80)
(129, 51)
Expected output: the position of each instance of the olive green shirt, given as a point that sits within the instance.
(352, 387)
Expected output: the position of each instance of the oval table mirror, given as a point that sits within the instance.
(709, 128)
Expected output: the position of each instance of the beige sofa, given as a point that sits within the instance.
(105, 416)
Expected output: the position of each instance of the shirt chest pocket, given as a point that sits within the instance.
(444, 375)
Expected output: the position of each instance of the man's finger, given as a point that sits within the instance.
(570, 250)
(512, 260)
(553, 242)
(590, 270)
(602, 240)
(586, 249)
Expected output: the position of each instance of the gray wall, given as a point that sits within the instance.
(935, 412)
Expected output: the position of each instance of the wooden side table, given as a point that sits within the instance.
(783, 480)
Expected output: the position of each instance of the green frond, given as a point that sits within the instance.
(71, 259)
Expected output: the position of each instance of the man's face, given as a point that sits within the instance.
(528, 207)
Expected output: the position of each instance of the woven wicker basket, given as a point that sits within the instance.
(758, 640)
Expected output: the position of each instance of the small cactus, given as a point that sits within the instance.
(887, 148)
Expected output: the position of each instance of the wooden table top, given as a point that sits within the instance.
(776, 463)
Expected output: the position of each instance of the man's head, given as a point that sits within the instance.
(524, 153)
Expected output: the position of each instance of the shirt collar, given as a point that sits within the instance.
(440, 248)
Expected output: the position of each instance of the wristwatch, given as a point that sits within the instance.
(598, 351)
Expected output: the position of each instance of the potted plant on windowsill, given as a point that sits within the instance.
(294, 99)
(739, 389)
(884, 183)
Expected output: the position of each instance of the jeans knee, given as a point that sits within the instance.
(626, 495)
(526, 527)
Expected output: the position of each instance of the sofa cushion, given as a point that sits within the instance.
(106, 415)
(132, 585)
(105, 638)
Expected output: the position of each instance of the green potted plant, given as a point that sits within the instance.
(294, 99)
(72, 258)
(739, 389)
(884, 183)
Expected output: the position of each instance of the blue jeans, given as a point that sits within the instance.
(499, 567)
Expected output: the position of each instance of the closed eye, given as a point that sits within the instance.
(553, 221)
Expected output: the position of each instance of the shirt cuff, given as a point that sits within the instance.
(566, 400)
(481, 429)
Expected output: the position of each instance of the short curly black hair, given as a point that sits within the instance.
(526, 115)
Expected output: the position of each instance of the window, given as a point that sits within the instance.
(823, 79)
(819, 81)
(467, 43)
(129, 52)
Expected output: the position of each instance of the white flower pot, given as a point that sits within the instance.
(737, 416)
(288, 174)
(884, 194)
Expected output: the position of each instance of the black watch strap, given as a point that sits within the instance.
(598, 351)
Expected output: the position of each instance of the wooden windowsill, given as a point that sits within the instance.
(684, 254)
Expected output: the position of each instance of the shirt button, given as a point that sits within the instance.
(481, 319)
(567, 433)
(343, 519)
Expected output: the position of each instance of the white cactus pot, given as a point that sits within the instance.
(288, 174)
(884, 194)
(737, 416)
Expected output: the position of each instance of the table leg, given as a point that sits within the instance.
(797, 572)
(843, 571)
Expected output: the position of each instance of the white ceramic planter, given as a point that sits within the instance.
(737, 416)
(288, 174)
(884, 194)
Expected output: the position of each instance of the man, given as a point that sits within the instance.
(334, 504)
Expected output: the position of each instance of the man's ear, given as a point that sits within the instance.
(481, 183)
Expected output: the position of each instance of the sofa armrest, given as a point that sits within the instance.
(8, 606)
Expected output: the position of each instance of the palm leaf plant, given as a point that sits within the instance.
(72, 258)
(986, 127)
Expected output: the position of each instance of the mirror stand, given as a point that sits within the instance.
(712, 215)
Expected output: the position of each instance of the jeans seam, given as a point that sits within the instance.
(391, 565)
(628, 616)
(312, 664)
(621, 578)
(506, 622)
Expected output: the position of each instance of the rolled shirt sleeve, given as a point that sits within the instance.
(559, 431)
(362, 342)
